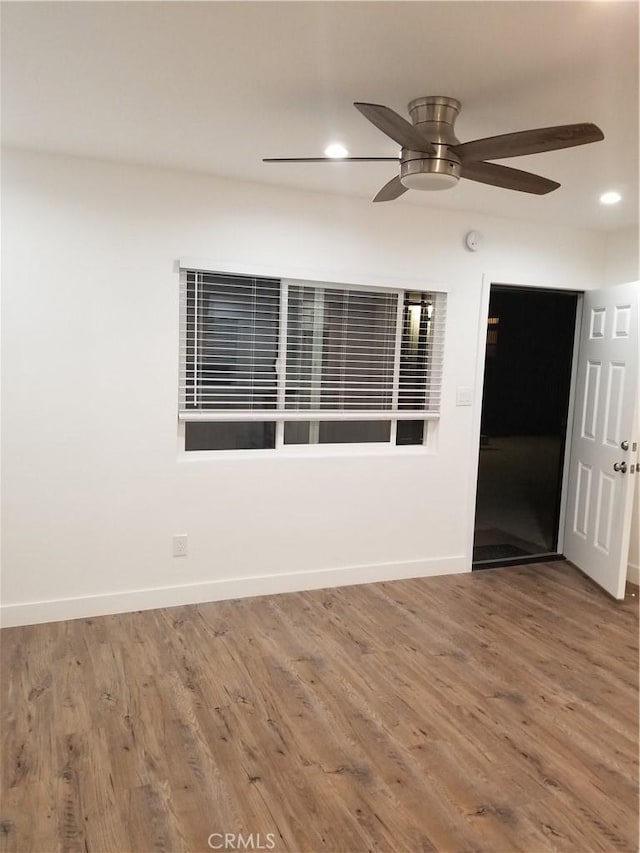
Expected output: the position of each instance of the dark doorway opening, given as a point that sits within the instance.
(525, 404)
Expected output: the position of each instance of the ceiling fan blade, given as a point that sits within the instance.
(330, 159)
(528, 142)
(507, 178)
(398, 128)
(392, 189)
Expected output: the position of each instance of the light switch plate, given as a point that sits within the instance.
(464, 395)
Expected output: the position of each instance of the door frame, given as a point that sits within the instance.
(500, 280)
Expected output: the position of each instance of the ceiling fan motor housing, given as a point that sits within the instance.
(435, 118)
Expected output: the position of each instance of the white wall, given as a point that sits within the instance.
(94, 486)
(622, 265)
(621, 256)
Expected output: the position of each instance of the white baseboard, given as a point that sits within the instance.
(55, 610)
(633, 574)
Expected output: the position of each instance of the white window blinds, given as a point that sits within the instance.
(421, 351)
(255, 347)
(229, 342)
(340, 349)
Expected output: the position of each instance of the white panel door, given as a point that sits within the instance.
(603, 446)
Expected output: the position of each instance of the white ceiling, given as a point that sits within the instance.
(216, 86)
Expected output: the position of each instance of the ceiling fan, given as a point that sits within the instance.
(432, 158)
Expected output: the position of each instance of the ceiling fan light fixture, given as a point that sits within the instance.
(428, 173)
(336, 151)
(429, 181)
(611, 197)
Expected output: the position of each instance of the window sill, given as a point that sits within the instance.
(325, 451)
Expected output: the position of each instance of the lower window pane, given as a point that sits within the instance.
(297, 432)
(229, 436)
(410, 432)
(336, 432)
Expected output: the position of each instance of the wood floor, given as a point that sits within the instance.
(489, 712)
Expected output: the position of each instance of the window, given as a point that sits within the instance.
(268, 363)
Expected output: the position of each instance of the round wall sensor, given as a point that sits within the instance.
(472, 241)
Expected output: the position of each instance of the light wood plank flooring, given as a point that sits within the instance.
(489, 712)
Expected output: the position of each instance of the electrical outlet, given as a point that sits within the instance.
(180, 545)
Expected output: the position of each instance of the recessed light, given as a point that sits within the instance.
(336, 151)
(610, 198)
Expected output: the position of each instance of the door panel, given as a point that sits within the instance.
(599, 502)
(591, 395)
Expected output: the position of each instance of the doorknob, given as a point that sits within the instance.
(620, 466)
(624, 445)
